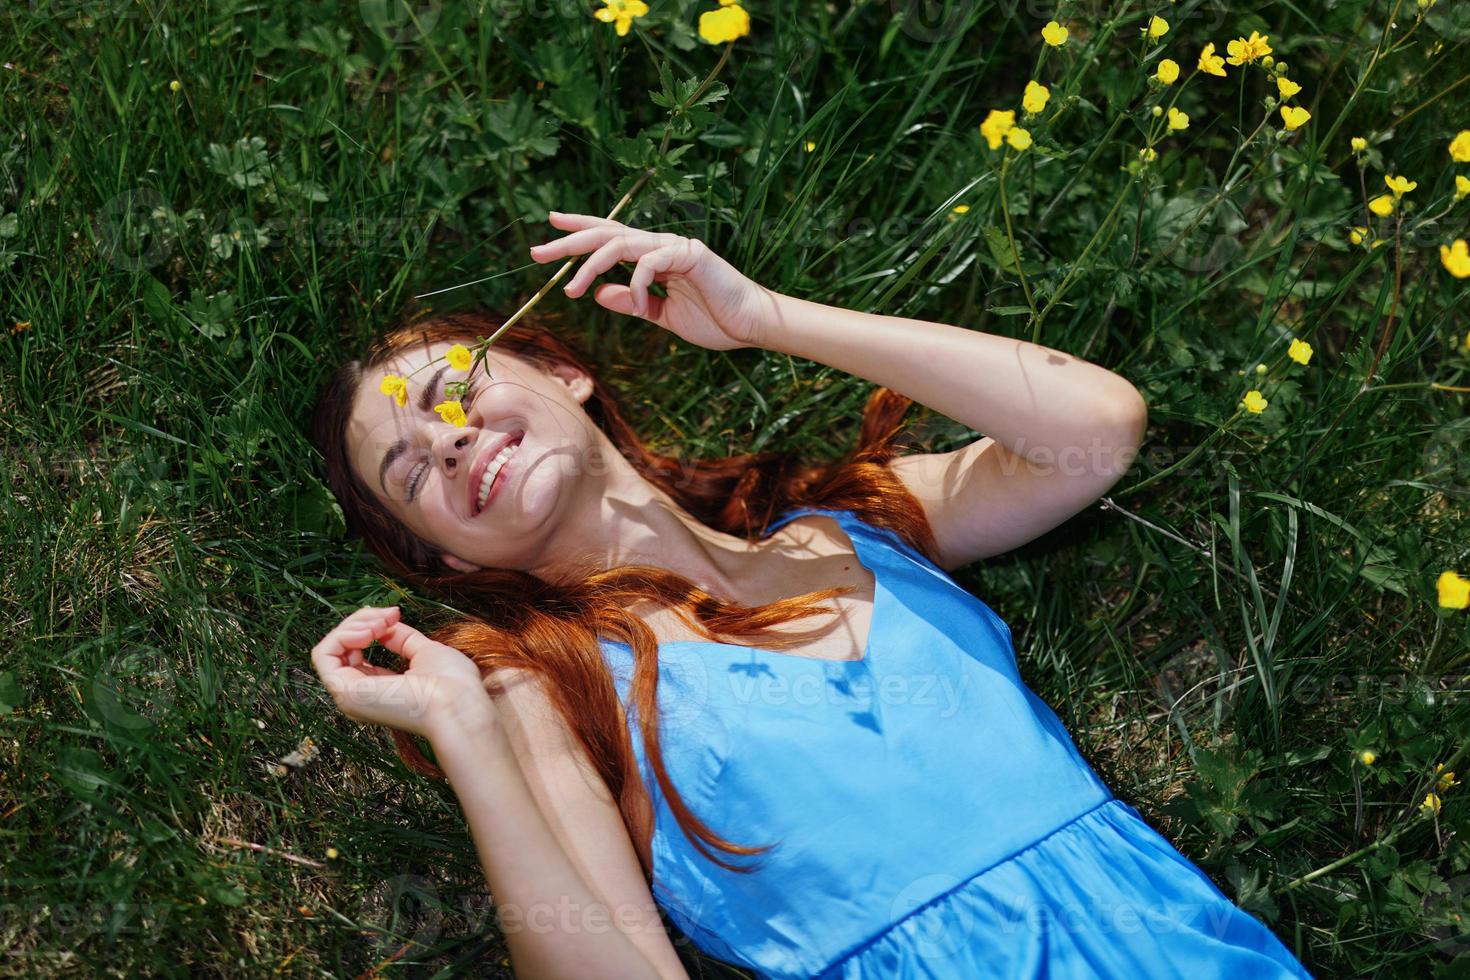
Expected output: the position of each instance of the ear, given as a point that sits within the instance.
(577, 381)
(459, 564)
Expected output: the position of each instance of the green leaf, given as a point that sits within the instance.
(10, 693)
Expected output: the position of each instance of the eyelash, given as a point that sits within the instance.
(414, 475)
(413, 482)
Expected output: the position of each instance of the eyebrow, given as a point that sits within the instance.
(401, 446)
(394, 451)
(429, 387)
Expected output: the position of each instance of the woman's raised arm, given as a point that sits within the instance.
(556, 924)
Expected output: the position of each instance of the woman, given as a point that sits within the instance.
(628, 725)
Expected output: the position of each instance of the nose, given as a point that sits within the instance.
(452, 449)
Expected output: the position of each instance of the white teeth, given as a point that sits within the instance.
(491, 472)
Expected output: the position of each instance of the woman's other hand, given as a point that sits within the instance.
(439, 689)
(709, 303)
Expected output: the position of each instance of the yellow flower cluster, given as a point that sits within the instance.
(1460, 147)
(451, 411)
(1034, 98)
(1444, 779)
(1245, 50)
(1454, 591)
(727, 23)
(395, 388)
(1000, 127)
(1054, 34)
(620, 13)
(1456, 258)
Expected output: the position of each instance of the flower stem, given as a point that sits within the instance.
(484, 346)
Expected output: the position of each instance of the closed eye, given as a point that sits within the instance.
(415, 477)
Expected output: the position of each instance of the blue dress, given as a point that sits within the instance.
(934, 818)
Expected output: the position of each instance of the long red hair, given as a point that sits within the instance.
(552, 630)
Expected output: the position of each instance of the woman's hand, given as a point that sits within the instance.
(709, 302)
(440, 687)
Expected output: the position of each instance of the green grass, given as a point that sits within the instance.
(171, 556)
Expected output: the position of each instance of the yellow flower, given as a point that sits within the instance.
(1454, 591)
(1157, 27)
(1147, 154)
(961, 209)
(1400, 185)
(620, 13)
(1054, 34)
(1367, 757)
(1286, 86)
(1456, 258)
(1168, 71)
(1462, 186)
(1299, 351)
(1446, 779)
(811, 145)
(725, 24)
(451, 412)
(996, 125)
(1295, 117)
(1033, 100)
(175, 85)
(1430, 805)
(332, 854)
(1177, 119)
(1243, 50)
(1359, 144)
(395, 388)
(1254, 402)
(1018, 138)
(1211, 63)
(1357, 235)
(1460, 146)
(1382, 205)
(459, 357)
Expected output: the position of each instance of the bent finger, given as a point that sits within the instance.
(405, 641)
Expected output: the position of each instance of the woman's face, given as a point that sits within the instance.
(430, 474)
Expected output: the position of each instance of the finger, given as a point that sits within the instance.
(371, 613)
(342, 640)
(573, 221)
(405, 641)
(619, 299)
(597, 263)
(658, 261)
(576, 243)
(631, 246)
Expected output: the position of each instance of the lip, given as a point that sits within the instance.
(478, 470)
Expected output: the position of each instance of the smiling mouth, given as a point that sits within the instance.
(492, 473)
